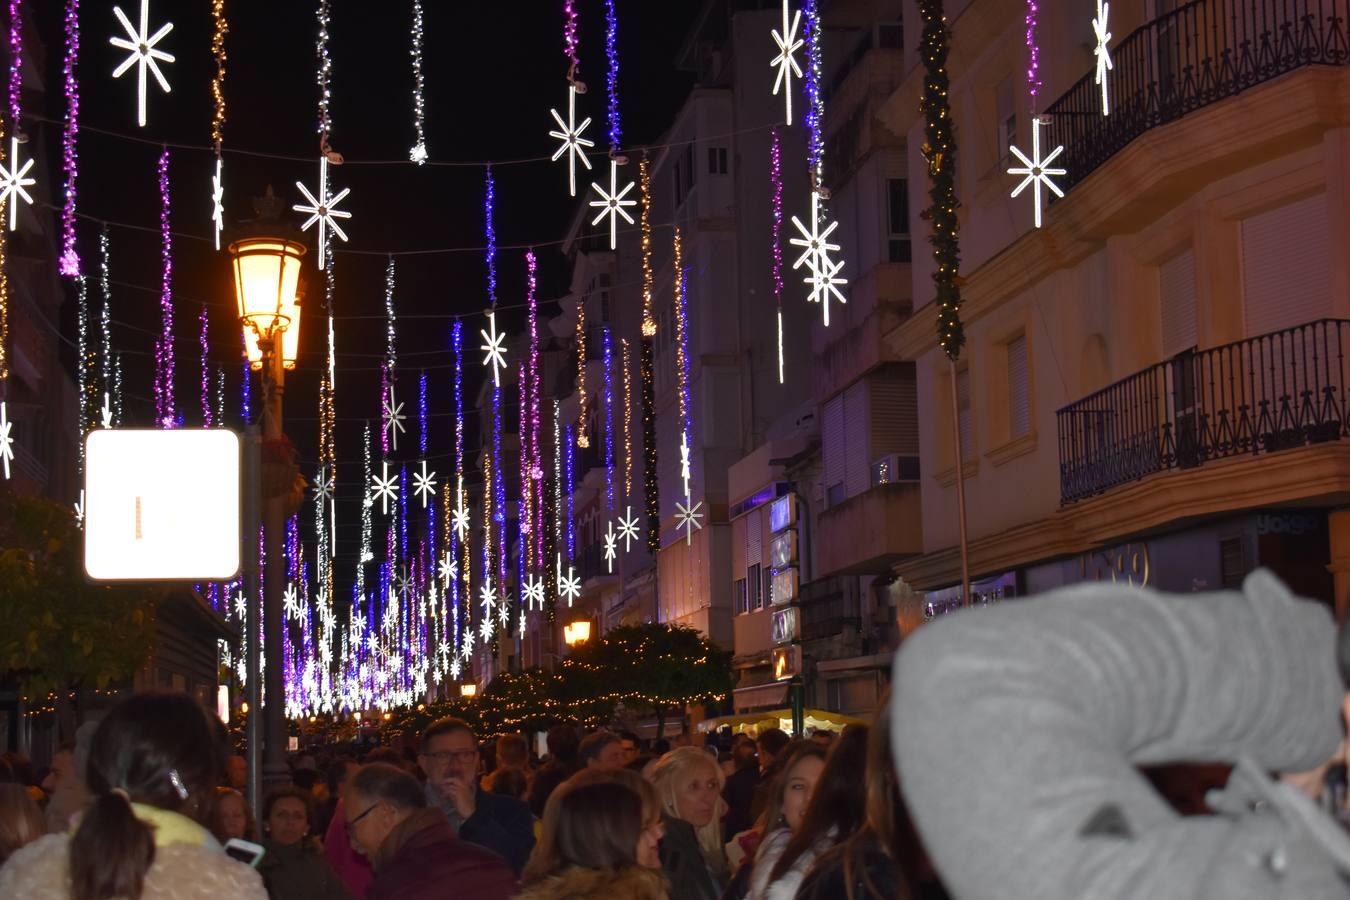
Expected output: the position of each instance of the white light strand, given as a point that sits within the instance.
(418, 153)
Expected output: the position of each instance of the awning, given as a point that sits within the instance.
(753, 723)
(759, 696)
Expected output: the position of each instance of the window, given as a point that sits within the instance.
(1176, 296)
(755, 585)
(1019, 392)
(1005, 118)
(963, 419)
(891, 35)
(897, 194)
(717, 160)
(768, 586)
(741, 600)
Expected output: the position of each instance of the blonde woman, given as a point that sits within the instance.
(689, 786)
(21, 820)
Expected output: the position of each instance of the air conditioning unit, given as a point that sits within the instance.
(895, 468)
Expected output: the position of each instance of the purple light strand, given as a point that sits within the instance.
(165, 414)
(244, 404)
(206, 368)
(15, 63)
(1033, 54)
(536, 470)
(570, 41)
(456, 343)
(70, 257)
(569, 442)
(776, 180)
(608, 357)
(612, 79)
(491, 231)
(815, 143)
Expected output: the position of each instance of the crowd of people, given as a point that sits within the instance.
(1091, 689)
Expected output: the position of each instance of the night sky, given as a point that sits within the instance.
(492, 72)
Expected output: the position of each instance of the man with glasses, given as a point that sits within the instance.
(450, 759)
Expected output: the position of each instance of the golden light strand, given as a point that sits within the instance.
(583, 441)
(627, 422)
(681, 362)
(218, 82)
(645, 181)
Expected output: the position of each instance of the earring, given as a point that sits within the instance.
(178, 784)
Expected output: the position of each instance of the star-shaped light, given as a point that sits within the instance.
(1036, 170)
(107, 410)
(1103, 55)
(823, 278)
(218, 199)
(393, 417)
(459, 521)
(786, 61)
(6, 439)
(424, 484)
(485, 628)
(612, 204)
(385, 489)
(454, 670)
(323, 485)
(487, 598)
(628, 528)
(79, 510)
(569, 585)
(240, 606)
(141, 45)
(533, 592)
(688, 517)
(290, 603)
(572, 142)
(358, 622)
(403, 583)
(468, 643)
(493, 346)
(323, 210)
(684, 461)
(824, 281)
(13, 181)
(611, 547)
(448, 569)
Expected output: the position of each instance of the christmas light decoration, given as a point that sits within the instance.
(219, 30)
(323, 210)
(607, 361)
(1038, 171)
(557, 475)
(105, 313)
(418, 154)
(648, 280)
(535, 483)
(688, 518)
(328, 421)
(324, 76)
(611, 546)
(532, 593)
(493, 348)
(490, 233)
(583, 440)
(573, 144)
(776, 184)
(367, 510)
(611, 203)
(682, 359)
(165, 414)
(385, 488)
(651, 487)
(14, 181)
(141, 45)
(83, 369)
(203, 346)
(6, 438)
(218, 200)
(816, 257)
(1103, 55)
(461, 522)
(786, 60)
(70, 257)
(612, 77)
(569, 586)
(570, 38)
(1033, 53)
(393, 417)
(425, 484)
(627, 421)
(815, 101)
(939, 149)
(571, 496)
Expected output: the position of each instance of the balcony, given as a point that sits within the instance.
(868, 533)
(1262, 395)
(1188, 59)
(855, 342)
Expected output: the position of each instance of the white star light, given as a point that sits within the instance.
(485, 629)
(290, 603)
(454, 669)
(1036, 170)
(816, 257)
(141, 45)
(493, 347)
(6, 440)
(393, 417)
(459, 520)
(424, 484)
(218, 199)
(385, 489)
(403, 583)
(107, 411)
(611, 547)
(448, 569)
(487, 598)
(79, 510)
(572, 142)
(786, 61)
(533, 593)
(569, 586)
(323, 210)
(684, 460)
(323, 485)
(1103, 55)
(240, 606)
(612, 204)
(13, 180)
(688, 517)
(628, 529)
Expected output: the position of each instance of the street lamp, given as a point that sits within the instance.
(577, 633)
(267, 288)
(468, 691)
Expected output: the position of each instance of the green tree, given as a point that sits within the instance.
(654, 666)
(61, 632)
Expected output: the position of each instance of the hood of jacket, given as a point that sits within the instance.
(576, 883)
(407, 833)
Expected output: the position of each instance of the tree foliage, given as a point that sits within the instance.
(62, 632)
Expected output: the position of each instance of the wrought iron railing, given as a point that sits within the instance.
(1275, 392)
(1195, 55)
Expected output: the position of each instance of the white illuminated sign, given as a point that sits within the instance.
(161, 505)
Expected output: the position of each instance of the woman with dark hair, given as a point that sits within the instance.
(834, 812)
(294, 867)
(599, 840)
(152, 772)
(788, 797)
(884, 859)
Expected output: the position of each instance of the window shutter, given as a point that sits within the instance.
(857, 423)
(1286, 266)
(754, 531)
(895, 413)
(833, 441)
(1019, 393)
(963, 414)
(1176, 293)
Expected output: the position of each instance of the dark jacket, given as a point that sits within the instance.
(573, 883)
(422, 859)
(299, 872)
(739, 794)
(503, 825)
(683, 862)
(871, 873)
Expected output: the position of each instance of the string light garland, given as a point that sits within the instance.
(627, 421)
(607, 361)
(105, 321)
(84, 370)
(570, 40)
(776, 184)
(535, 483)
(1033, 53)
(70, 256)
(418, 153)
(650, 483)
(140, 43)
(165, 411)
(367, 516)
(324, 75)
(570, 483)
(612, 76)
(245, 405)
(390, 327)
(645, 217)
(1036, 169)
(939, 149)
(682, 361)
(220, 27)
(203, 346)
(14, 179)
(583, 440)
(815, 101)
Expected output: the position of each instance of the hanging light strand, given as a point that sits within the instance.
(815, 100)
(105, 313)
(645, 218)
(570, 40)
(583, 440)
(84, 370)
(612, 78)
(70, 257)
(165, 411)
(203, 346)
(418, 153)
(776, 182)
(324, 75)
(607, 362)
(627, 422)
(536, 480)
(15, 63)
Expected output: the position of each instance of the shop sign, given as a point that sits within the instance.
(783, 513)
(783, 586)
(787, 662)
(1124, 564)
(785, 625)
(783, 550)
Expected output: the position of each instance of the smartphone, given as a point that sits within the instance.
(245, 851)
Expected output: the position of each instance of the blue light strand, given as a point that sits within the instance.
(612, 79)
(608, 357)
(571, 495)
(422, 412)
(491, 232)
(245, 404)
(457, 345)
(815, 103)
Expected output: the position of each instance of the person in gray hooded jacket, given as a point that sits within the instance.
(1017, 732)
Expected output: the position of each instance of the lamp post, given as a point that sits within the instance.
(267, 287)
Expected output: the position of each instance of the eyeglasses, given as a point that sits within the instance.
(351, 823)
(444, 756)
